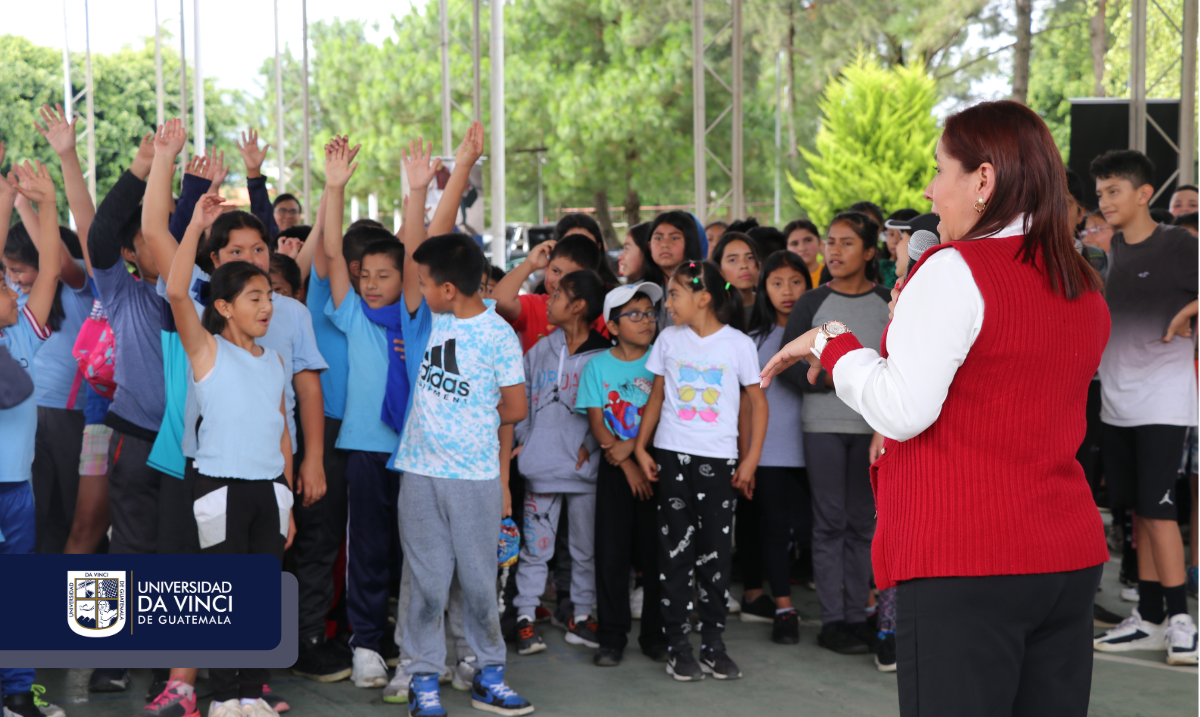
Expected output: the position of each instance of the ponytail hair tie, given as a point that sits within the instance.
(691, 265)
(727, 286)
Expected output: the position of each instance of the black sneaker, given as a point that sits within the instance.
(109, 679)
(760, 609)
(583, 633)
(834, 636)
(682, 665)
(607, 657)
(21, 704)
(321, 661)
(1103, 617)
(864, 632)
(528, 639)
(786, 630)
(715, 662)
(657, 652)
(885, 656)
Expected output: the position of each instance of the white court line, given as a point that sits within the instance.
(1146, 663)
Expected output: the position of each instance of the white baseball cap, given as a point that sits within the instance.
(623, 294)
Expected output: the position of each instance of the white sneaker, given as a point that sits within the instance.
(735, 605)
(369, 669)
(1133, 633)
(396, 691)
(636, 598)
(258, 708)
(1130, 594)
(464, 675)
(1181, 640)
(228, 708)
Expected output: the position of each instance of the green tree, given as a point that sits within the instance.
(124, 102)
(875, 143)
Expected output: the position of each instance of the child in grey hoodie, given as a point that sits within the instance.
(559, 459)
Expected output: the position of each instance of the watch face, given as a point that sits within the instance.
(835, 328)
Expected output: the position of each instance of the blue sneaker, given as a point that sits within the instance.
(425, 696)
(490, 694)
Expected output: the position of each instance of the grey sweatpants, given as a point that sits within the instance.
(450, 528)
(541, 526)
(454, 616)
(843, 522)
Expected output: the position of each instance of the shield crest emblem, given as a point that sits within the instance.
(96, 602)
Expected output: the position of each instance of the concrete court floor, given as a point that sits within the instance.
(779, 680)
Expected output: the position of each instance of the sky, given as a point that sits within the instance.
(236, 35)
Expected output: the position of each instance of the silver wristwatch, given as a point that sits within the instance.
(826, 333)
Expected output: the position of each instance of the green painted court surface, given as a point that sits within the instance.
(799, 679)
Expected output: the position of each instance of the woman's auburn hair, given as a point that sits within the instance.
(1030, 179)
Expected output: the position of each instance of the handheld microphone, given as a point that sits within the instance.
(920, 242)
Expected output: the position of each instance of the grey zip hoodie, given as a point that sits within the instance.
(552, 431)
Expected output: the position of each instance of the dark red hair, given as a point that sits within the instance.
(1030, 179)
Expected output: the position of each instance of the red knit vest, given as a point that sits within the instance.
(993, 487)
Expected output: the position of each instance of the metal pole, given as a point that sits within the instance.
(739, 196)
(477, 96)
(280, 147)
(183, 106)
(91, 105)
(699, 160)
(198, 83)
(541, 217)
(68, 90)
(1137, 76)
(1187, 97)
(499, 236)
(307, 119)
(160, 114)
(778, 137)
(444, 22)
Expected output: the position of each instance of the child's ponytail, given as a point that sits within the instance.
(726, 299)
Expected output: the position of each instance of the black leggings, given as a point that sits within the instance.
(780, 494)
(246, 683)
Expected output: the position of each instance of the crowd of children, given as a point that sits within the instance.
(369, 406)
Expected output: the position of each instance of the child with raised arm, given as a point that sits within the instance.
(23, 332)
(699, 366)
(243, 495)
(373, 487)
(468, 384)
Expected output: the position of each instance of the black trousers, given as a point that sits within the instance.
(747, 529)
(781, 494)
(58, 443)
(246, 683)
(696, 504)
(372, 546)
(1016, 645)
(320, 529)
(626, 535)
(252, 521)
(133, 488)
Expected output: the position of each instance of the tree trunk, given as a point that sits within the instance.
(1097, 29)
(1020, 82)
(604, 218)
(633, 207)
(792, 149)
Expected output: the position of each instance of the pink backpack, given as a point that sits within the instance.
(95, 351)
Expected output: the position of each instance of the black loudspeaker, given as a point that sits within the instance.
(1101, 124)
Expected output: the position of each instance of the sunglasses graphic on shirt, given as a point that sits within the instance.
(711, 375)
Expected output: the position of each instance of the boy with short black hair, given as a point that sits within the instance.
(1148, 396)
(467, 366)
(612, 391)
(285, 277)
(558, 459)
(1185, 200)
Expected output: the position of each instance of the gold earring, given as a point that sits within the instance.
(980, 205)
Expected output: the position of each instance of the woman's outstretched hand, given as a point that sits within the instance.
(798, 350)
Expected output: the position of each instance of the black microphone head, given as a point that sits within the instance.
(920, 242)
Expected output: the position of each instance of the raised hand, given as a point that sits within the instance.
(420, 165)
(196, 166)
(471, 148)
(252, 156)
(289, 246)
(36, 184)
(144, 158)
(206, 212)
(8, 187)
(539, 257)
(58, 132)
(339, 162)
(170, 138)
(216, 170)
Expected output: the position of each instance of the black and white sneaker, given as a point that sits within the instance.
(714, 661)
(885, 656)
(682, 665)
(109, 679)
(786, 630)
(1133, 633)
(528, 639)
(1181, 640)
(760, 609)
(1103, 617)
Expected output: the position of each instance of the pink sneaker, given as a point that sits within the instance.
(178, 699)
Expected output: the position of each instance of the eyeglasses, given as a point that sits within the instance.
(1095, 230)
(291, 212)
(637, 316)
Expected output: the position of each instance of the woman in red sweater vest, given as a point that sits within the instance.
(985, 520)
